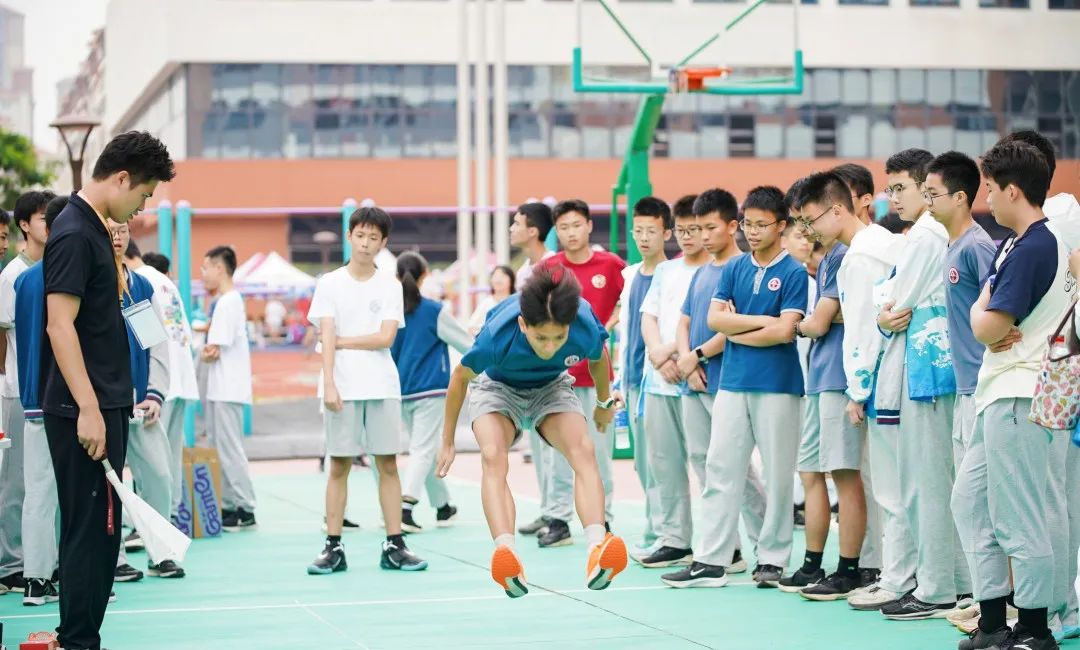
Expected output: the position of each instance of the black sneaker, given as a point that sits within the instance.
(360, 461)
(767, 576)
(834, 587)
(799, 580)
(1021, 639)
(127, 573)
(14, 582)
(444, 516)
(165, 569)
(558, 534)
(910, 608)
(396, 558)
(112, 596)
(869, 577)
(331, 560)
(346, 525)
(408, 524)
(800, 517)
(241, 520)
(39, 591)
(667, 556)
(535, 527)
(229, 518)
(133, 542)
(696, 575)
(979, 640)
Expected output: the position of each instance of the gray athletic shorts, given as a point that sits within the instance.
(829, 440)
(526, 407)
(371, 426)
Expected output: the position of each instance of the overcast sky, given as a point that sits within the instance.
(56, 38)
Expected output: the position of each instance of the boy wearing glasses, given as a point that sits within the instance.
(829, 216)
(916, 393)
(759, 299)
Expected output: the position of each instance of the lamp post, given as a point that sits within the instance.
(75, 132)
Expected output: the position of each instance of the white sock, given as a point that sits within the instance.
(405, 505)
(506, 539)
(594, 534)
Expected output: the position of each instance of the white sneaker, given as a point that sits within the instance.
(959, 615)
(738, 564)
(872, 598)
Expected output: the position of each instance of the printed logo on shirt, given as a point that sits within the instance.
(375, 306)
(571, 360)
(954, 275)
(774, 284)
(599, 281)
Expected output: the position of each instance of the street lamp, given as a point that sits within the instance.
(75, 132)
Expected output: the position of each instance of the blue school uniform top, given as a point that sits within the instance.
(30, 325)
(825, 370)
(696, 306)
(421, 357)
(139, 289)
(502, 351)
(756, 290)
(635, 357)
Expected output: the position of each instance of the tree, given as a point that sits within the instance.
(20, 168)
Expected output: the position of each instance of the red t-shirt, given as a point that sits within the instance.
(601, 283)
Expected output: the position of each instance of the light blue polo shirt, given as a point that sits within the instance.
(756, 290)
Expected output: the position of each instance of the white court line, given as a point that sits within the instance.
(353, 603)
(330, 625)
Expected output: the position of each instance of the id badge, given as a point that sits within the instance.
(145, 324)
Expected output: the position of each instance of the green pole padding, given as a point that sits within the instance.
(165, 229)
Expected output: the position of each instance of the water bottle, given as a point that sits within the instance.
(622, 429)
(1059, 349)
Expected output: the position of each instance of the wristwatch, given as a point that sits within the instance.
(702, 359)
(605, 404)
(798, 330)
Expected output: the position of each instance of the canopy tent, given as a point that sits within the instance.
(266, 274)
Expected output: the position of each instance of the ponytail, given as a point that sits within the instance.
(410, 268)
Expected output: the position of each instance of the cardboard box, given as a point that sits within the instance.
(200, 504)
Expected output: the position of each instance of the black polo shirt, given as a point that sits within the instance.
(79, 261)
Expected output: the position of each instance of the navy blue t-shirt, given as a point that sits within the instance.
(1021, 281)
(763, 291)
(825, 370)
(502, 351)
(30, 325)
(635, 358)
(696, 306)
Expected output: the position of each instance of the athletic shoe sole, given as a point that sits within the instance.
(793, 589)
(870, 606)
(768, 584)
(445, 523)
(611, 562)
(134, 577)
(239, 529)
(696, 582)
(409, 528)
(39, 600)
(738, 567)
(507, 572)
(919, 616)
(154, 573)
(134, 545)
(325, 571)
(824, 598)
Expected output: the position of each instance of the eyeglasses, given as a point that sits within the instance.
(689, 231)
(756, 227)
(897, 189)
(929, 198)
(808, 226)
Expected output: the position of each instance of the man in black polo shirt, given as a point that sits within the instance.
(86, 388)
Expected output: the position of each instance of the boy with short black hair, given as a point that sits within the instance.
(828, 215)
(228, 387)
(916, 392)
(358, 312)
(600, 275)
(1004, 488)
(30, 219)
(760, 297)
(652, 224)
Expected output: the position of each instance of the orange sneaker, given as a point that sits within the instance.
(606, 561)
(507, 571)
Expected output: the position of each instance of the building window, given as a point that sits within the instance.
(1009, 4)
(935, 3)
(1065, 4)
(877, 3)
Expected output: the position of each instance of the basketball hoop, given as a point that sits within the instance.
(683, 80)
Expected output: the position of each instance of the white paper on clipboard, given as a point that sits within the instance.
(145, 324)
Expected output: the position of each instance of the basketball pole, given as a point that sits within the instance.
(483, 146)
(464, 142)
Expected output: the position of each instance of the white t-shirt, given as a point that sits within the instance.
(525, 272)
(229, 378)
(170, 308)
(275, 313)
(10, 386)
(664, 300)
(359, 308)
